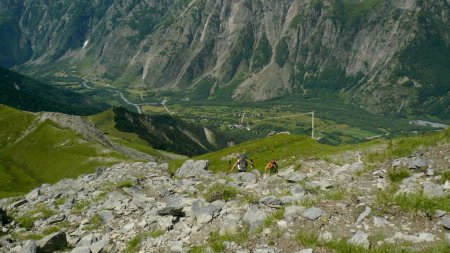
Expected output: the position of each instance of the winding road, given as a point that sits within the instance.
(138, 107)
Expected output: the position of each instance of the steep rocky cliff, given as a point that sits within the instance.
(387, 56)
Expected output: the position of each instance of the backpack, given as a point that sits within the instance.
(242, 160)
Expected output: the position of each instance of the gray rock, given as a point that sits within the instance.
(205, 214)
(176, 201)
(17, 204)
(364, 214)
(100, 245)
(360, 239)
(248, 178)
(297, 190)
(292, 212)
(106, 216)
(313, 213)
(419, 238)
(447, 237)
(440, 213)
(379, 222)
(82, 249)
(176, 247)
(192, 168)
(56, 218)
(52, 242)
(267, 250)
(29, 246)
(305, 251)
(413, 162)
(446, 221)
(228, 226)
(291, 175)
(271, 201)
(173, 211)
(432, 190)
(87, 240)
(33, 195)
(357, 166)
(254, 217)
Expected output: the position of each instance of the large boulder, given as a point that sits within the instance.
(192, 168)
(29, 246)
(52, 242)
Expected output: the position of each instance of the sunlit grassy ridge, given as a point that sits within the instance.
(31, 155)
(285, 148)
(288, 149)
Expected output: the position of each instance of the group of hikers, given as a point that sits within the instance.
(243, 162)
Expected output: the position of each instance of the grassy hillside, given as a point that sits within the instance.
(289, 149)
(105, 122)
(167, 133)
(34, 152)
(24, 93)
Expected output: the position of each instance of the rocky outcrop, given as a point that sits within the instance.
(141, 204)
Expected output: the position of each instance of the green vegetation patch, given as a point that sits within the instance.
(134, 244)
(219, 191)
(412, 202)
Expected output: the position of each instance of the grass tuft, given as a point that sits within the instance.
(220, 191)
(397, 175)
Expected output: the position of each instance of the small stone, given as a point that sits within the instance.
(447, 237)
(313, 213)
(176, 247)
(292, 212)
(360, 239)
(364, 214)
(446, 221)
(106, 216)
(432, 190)
(440, 213)
(229, 226)
(33, 195)
(379, 222)
(17, 204)
(271, 201)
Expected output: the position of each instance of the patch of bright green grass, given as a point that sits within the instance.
(125, 184)
(397, 175)
(220, 191)
(40, 212)
(271, 219)
(445, 176)
(405, 146)
(217, 241)
(287, 147)
(412, 202)
(46, 154)
(134, 244)
(311, 240)
(94, 222)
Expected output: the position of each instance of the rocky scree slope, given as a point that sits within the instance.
(320, 207)
(386, 56)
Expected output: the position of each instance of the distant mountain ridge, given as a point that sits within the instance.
(389, 57)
